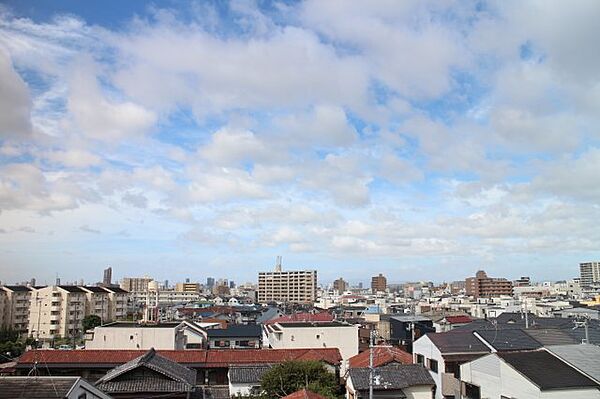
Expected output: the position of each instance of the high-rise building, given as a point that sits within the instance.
(231, 284)
(135, 284)
(483, 286)
(299, 286)
(378, 283)
(210, 282)
(340, 285)
(107, 280)
(523, 282)
(589, 274)
(187, 287)
(15, 303)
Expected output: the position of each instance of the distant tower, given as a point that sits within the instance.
(278, 264)
(32, 282)
(107, 280)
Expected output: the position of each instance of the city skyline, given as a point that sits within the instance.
(420, 140)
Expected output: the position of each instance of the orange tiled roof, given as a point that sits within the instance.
(382, 355)
(304, 394)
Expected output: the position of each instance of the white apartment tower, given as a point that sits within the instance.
(298, 286)
(589, 273)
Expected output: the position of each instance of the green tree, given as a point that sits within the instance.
(91, 321)
(289, 377)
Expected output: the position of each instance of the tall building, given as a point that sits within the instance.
(15, 304)
(340, 285)
(135, 284)
(107, 280)
(299, 286)
(378, 283)
(483, 286)
(589, 274)
(187, 287)
(210, 282)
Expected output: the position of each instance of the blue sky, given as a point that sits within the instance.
(423, 140)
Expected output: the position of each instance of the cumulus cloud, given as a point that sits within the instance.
(15, 103)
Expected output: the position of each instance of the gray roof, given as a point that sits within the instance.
(177, 377)
(551, 336)
(410, 318)
(585, 357)
(457, 342)
(36, 387)
(247, 374)
(236, 331)
(391, 377)
(509, 340)
(20, 288)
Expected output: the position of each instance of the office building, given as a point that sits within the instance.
(589, 274)
(378, 283)
(340, 285)
(210, 282)
(135, 284)
(299, 286)
(483, 286)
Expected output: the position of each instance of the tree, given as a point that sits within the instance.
(91, 321)
(289, 377)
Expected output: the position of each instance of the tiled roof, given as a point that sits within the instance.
(458, 319)
(304, 394)
(584, 357)
(545, 370)
(457, 342)
(38, 387)
(391, 377)
(314, 317)
(382, 355)
(17, 288)
(144, 385)
(197, 358)
(509, 340)
(551, 336)
(247, 373)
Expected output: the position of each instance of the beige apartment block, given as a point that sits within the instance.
(298, 286)
(16, 307)
(117, 303)
(57, 311)
(97, 303)
(187, 287)
(135, 284)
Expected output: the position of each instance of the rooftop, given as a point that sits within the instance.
(304, 394)
(240, 330)
(457, 342)
(382, 355)
(391, 377)
(584, 357)
(36, 387)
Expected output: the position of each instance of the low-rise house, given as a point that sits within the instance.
(304, 394)
(382, 356)
(525, 374)
(443, 353)
(449, 323)
(584, 357)
(245, 379)
(235, 337)
(392, 381)
(405, 329)
(48, 387)
(149, 375)
(314, 335)
(129, 335)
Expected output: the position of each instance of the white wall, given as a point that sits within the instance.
(136, 338)
(418, 392)
(425, 347)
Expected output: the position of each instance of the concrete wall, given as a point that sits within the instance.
(136, 338)
(428, 350)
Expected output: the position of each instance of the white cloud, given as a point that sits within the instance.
(15, 104)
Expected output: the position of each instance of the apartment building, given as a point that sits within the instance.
(483, 286)
(57, 311)
(378, 283)
(97, 303)
(118, 300)
(589, 274)
(137, 284)
(298, 286)
(188, 287)
(16, 307)
(340, 285)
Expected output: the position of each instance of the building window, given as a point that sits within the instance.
(420, 359)
(433, 365)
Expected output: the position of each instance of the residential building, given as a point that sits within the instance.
(245, 379)
(392, 381)
(118, 300)
(49, 387)
(530, 374)
(523, 282)
(150, 375)
(378, 283)
(584, 357)
(107, 278)
(16, 307)
(97, 303)
(304, 394)
(589, 274)
(483, 286)
(382, 356)
(135, 284)
(235, 337)
(316, 335)
(128, 335)
(57, 311)
(298, 286)
(404, 329)
(340, 285)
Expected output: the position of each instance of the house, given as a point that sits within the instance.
(584, 357)
(149, 375)
(525, 374)
(244, 379)
(404, 329)
(211, 366)
(130, 335)
(235, 337)
(382, 356)
(48, 387)
(391, 381)
(448, 323)
(443, 353)
(316, 335)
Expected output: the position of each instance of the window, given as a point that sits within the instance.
(433, 365)
(420, 359)
(131, 337)
(318, 336)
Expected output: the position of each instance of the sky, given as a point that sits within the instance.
(420, 139)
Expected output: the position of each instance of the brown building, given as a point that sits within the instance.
(340, 285)
(483, 286)
(378, 283)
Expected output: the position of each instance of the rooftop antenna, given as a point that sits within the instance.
(278, 264)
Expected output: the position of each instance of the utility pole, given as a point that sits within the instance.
(371, 368)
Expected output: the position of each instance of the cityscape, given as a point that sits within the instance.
(299, 199)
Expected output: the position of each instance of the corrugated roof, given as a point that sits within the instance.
(546, 371)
